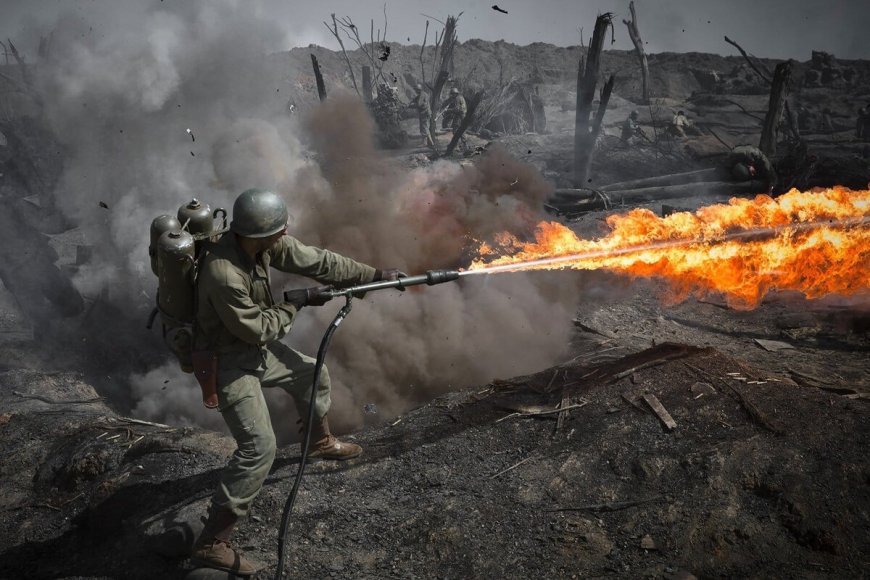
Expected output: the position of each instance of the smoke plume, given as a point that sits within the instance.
(122, 103)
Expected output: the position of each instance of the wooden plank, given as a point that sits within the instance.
(660, 411)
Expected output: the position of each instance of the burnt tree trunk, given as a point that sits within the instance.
(634, 34)
(587, 77)
(321, 88)
(367, 83)
(778, 93)
(473, 102)
(435, 99)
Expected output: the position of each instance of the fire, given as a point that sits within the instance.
(816, 243)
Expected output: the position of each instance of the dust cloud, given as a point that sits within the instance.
(122, 103)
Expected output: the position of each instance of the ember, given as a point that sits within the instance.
(816, 243)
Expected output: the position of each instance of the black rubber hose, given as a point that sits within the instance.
(306, 440)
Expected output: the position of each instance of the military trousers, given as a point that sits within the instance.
(240, 393)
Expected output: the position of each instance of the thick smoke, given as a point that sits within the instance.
(122, 105)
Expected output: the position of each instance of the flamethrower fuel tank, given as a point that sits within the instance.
(197, 216)
(159, 226)
(175, 275)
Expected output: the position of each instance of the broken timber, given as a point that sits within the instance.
(660, 411)
(580, 200)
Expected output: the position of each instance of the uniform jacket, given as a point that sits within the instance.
(457, 105)
(421, 103)
(236, 313)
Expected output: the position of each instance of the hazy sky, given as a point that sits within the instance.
(773, 28)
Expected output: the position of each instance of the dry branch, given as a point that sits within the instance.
(756, 64)
(634, 34)
(334, 31)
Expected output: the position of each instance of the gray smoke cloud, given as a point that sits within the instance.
(122, 103)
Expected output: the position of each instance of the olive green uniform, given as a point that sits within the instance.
(424, 114)
(239, 320)
(456, 110)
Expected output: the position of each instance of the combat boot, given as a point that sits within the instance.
(213, 549)
(324, 445)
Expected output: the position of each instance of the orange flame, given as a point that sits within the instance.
(816, 243)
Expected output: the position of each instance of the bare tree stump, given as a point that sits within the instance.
(778, 94)
(587, 77)
(321, 88)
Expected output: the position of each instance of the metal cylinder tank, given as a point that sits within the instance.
(197, 216)
(159, 226)
(175, 275)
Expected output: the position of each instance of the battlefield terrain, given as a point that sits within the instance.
(756, 469)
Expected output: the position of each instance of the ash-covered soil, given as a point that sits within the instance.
(764, 475)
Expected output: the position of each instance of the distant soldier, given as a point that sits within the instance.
(826, 123)
(681, 125)
(631, 130)
(805, 119)
(748, 163)
(424, 112)
(455, 109)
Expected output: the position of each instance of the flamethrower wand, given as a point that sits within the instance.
(320, 295)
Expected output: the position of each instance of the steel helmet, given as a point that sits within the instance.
(258, 213)
(454, 91)
(418, 87)
(633, 115)
(741, 172)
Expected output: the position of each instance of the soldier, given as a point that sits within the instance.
(805, 119)
(424, 112)
(746, 163)
(826, 123)
(631, 129)
(239, 321)
(679, 124)
(455, 110)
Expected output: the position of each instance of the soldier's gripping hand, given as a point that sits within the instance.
(314, 296)
(390, 275)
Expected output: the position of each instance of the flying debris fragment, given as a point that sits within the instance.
(385, 52)
(497, 9)
(104, 205)
(189, 132)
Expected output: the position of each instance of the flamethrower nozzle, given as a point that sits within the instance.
(440, 276)
(430, 278)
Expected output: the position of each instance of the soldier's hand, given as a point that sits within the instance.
(314, 296)
(389, 275)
